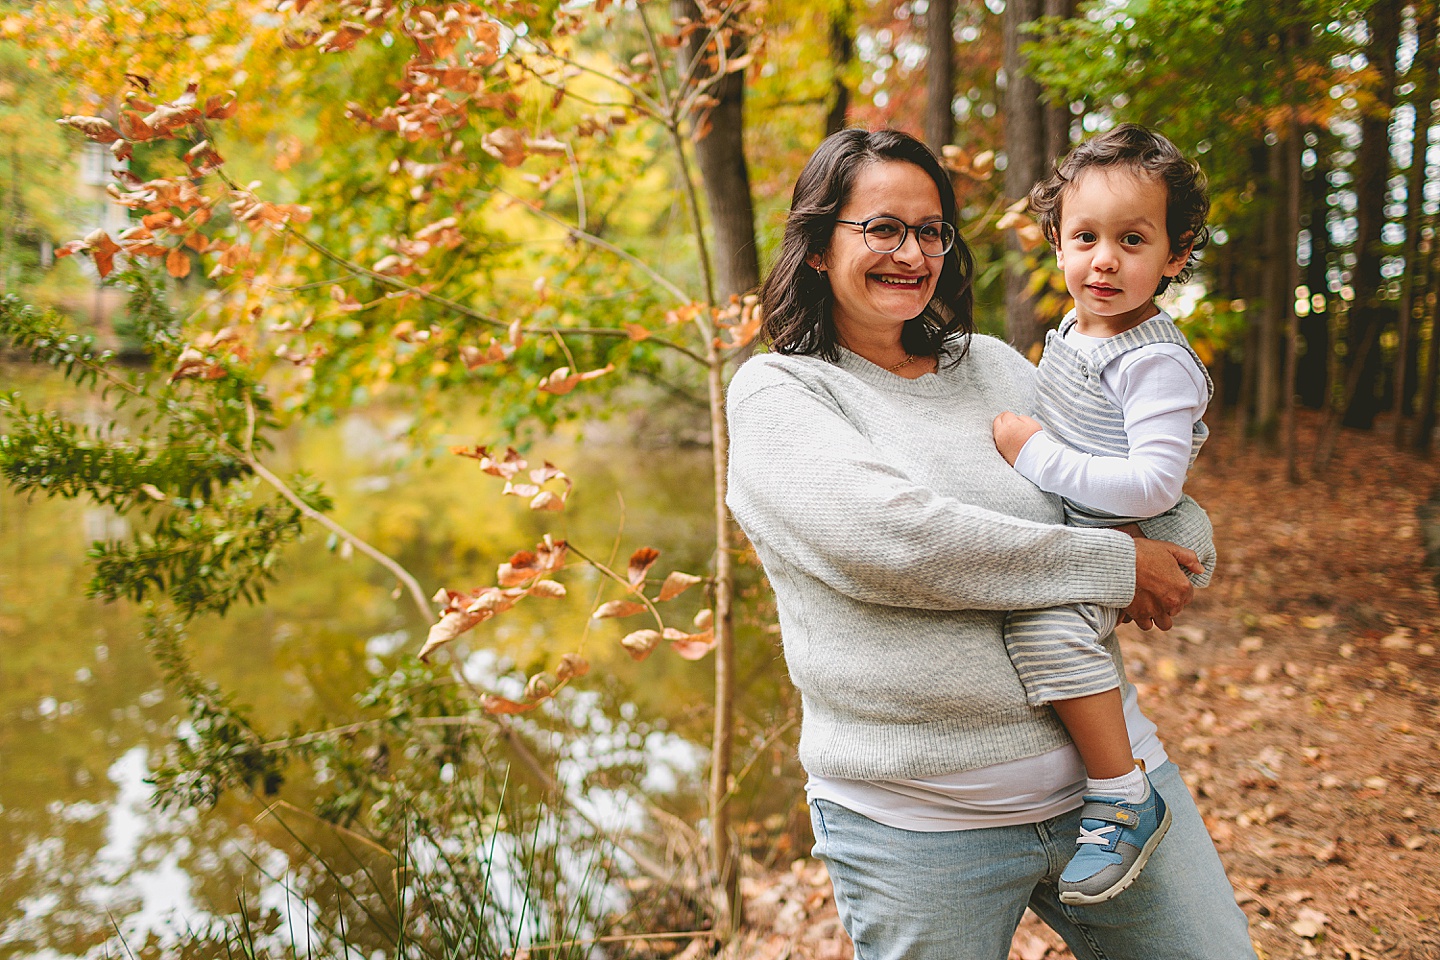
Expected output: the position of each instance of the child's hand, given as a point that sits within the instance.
(1011, 432)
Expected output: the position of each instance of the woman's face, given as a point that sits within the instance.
(876, 293)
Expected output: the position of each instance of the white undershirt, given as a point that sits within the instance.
(1000, 795)
(1162, 392)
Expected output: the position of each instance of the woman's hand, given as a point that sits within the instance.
(1011, 432)
(1161, 588)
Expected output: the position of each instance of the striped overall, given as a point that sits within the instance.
(1058, 651)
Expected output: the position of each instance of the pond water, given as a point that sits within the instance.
(83, 711)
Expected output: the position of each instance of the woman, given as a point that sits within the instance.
(895, 537)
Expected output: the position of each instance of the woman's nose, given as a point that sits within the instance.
(909, 251)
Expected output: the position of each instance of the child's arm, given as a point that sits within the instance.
(1161, 400)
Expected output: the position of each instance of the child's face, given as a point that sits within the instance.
(1114, 248)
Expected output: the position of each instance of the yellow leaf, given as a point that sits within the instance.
(547, 588)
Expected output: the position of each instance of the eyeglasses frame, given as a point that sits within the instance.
(864, 226)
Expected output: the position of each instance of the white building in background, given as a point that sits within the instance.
(96, 210)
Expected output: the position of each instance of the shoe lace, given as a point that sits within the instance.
(1100, 835)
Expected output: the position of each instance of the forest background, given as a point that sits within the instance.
(538, 226)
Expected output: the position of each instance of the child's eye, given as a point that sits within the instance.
(1085, 236)
(1132, 239)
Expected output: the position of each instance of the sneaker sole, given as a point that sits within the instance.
(1082, 899)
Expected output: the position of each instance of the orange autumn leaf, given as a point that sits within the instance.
(547, 500)
(103, 250)
(640, 562)
(618, 608)
(641, 643)
(499, 705)
(675, 584)
(446, 629)
(191, 364)
(177, 264)
(571, 665)
(540, 686)
(220, 107)
(97, 129)
(690, 646)
(506, 145)
(562, 381)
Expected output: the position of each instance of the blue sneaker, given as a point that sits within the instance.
(1116, 839)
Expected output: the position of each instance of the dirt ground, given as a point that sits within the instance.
(1299, 696)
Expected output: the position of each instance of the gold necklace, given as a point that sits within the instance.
(909, 359)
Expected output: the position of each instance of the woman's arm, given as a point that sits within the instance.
(805, 484)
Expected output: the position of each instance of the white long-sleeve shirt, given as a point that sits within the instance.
(1162, 393)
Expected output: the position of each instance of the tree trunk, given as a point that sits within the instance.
(1057, 116)
(1425, 415)
(1025, 164)
(940, 74)
(1277, 291)
(1372, 170)
(1293, 147)
(720, 155)
(1425, 65)
(842, 51)
(1313, 365)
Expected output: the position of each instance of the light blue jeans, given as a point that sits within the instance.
(960, 895)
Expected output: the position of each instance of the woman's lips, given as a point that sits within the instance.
(894, 281)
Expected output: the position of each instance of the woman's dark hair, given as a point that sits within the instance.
(796, 297)
(1147, 153)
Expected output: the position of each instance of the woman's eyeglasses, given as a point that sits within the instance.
(887, 234)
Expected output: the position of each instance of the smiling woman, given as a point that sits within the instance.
(896, 538)
(877, 293)
(871, 262)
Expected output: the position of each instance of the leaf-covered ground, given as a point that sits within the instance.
(1299, 695)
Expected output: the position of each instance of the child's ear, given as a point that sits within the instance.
(1060, 258)
(1177, 260)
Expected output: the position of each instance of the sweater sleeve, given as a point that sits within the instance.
(805, 484)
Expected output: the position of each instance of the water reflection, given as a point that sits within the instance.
(82, 708)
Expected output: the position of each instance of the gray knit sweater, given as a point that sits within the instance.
(895, 537)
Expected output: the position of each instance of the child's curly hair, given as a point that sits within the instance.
(1130, 145)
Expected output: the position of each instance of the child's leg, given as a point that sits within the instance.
(1060, 661)
(1097, 725)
